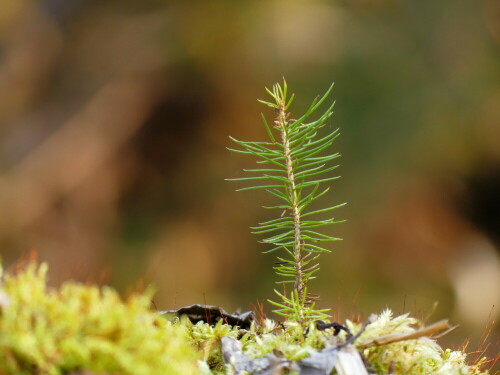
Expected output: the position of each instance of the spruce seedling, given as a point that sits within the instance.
(294, 170)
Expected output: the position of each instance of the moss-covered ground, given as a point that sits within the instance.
(79, 328)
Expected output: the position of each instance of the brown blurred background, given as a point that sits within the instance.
(115, 115)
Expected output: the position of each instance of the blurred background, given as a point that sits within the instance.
(115, 115)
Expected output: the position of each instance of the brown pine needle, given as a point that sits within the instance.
(441, 326)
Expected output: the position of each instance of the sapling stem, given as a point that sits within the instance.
(281, 123)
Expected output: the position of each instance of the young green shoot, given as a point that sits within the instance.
(295, 166)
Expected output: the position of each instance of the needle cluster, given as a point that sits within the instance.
(295, 167)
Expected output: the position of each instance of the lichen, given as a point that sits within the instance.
(422, 356)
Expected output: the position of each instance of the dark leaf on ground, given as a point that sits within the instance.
(212, 314)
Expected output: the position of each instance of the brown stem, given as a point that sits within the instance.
(428, 331)
(281, 123)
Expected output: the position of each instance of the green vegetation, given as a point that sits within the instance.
(82, 329)
(295, 166)
(206, 339)
(79, 327)
(294, 170)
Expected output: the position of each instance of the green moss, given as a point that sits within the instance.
(422, 356)
(56, 331)
(80, 327)
(207, 340)
(288, 338)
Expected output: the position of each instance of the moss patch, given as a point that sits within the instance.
(85, 329)
(76, 327)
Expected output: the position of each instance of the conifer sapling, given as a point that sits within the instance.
(294, 167)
